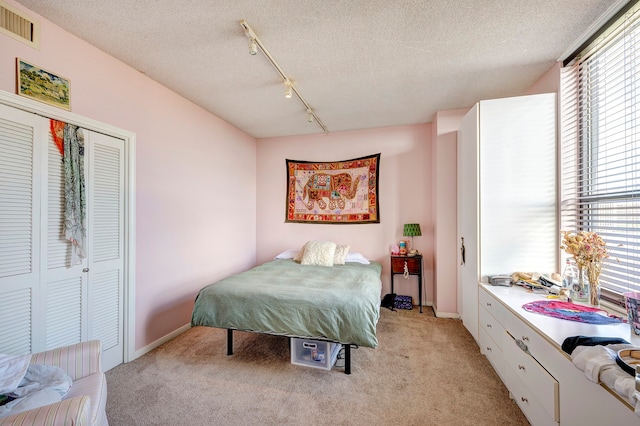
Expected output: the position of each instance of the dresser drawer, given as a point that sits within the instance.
(493, 306)
(413, 264)
(526, 399)
(491, 325)
(536, 379)
(536, 344)
(493, 352)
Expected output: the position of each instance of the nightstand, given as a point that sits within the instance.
(411, 265)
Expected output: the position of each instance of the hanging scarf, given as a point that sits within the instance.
(74, 192)
(57, 133)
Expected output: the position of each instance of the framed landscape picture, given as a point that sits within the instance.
(43, 85)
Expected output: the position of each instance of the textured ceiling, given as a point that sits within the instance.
(358, 63)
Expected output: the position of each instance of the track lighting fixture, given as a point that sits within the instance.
(253, 46)
(288, 91)
(290, 88)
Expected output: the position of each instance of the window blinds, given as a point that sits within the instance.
(600, 148)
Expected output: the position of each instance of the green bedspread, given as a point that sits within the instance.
(339, 303)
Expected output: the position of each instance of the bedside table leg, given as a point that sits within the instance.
(420, 290)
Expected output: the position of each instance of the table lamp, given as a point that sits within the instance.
(412, 230)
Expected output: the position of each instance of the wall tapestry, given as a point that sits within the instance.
(338, 192)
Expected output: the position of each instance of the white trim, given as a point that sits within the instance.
(129, 138)
(613, 9)
(151, 346)
(452, 315)
(130, 256)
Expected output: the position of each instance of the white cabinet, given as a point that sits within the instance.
(525, 350)
(530, 385)
(491, 331)
(506, 193)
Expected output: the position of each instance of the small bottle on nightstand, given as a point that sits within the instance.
(403, 248)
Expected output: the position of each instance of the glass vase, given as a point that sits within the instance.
(593, 275)
(580, 286)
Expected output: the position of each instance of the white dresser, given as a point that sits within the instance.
(525, 350)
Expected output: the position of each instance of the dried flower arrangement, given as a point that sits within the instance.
(584, 246)
(588, 250)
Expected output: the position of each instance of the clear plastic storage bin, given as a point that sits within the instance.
(314, 353)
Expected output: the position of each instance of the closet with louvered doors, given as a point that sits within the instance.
(45, 301)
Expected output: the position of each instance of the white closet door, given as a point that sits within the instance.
(19, 231)
(468, 218)
(45, 302)
(105, 202)
(85, 302)
(65, 286)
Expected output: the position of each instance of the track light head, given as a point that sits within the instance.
(288, 89)
(253, 46)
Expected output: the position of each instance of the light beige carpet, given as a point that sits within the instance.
(425, 371)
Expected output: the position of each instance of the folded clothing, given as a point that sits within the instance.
(599, 366)
(570, 343)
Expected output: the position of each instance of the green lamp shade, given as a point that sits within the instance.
(412, 230)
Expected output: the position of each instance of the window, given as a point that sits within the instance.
(600, 147)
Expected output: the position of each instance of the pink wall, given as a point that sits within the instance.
(444, 206)
(404, 191)
(188, 213)
(548, 83)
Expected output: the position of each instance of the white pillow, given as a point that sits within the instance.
(298, 257)
(319, 253)
(288, 254)
(341, 254)
(356, 257)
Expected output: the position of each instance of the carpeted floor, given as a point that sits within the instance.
(425, 371)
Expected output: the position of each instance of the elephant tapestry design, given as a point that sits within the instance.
(333, 192)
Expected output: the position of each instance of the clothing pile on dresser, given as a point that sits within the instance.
(598, 358)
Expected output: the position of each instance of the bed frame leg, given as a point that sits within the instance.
(229, 341)
(347, 359)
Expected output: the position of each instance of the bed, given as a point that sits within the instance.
(339, 303)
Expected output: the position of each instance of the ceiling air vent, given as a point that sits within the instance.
(16, 24)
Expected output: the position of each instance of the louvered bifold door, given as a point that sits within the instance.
(106, 236)
(65, 285)
(20, 306)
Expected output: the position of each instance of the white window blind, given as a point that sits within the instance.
(600, 148)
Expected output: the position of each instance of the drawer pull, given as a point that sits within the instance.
(525, 338)
(489, 304)
(522, 346)
(488, 325)
(524, 399)
(520, 367)
(488, 348)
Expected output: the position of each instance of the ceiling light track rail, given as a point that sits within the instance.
(254, 45)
